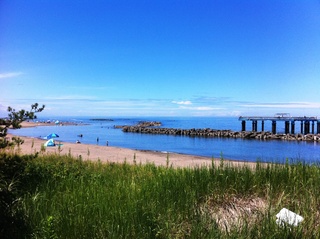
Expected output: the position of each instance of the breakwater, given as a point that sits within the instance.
(148, 128)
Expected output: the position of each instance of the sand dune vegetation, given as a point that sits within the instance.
(59, 196)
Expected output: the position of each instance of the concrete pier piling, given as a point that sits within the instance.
(292, 127)
(274, 126)
(243, 125)
(286, 127)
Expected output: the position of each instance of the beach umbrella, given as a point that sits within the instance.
(51, 136)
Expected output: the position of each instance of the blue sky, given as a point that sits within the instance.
(161, 58)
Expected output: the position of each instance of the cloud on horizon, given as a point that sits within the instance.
(187, 102)
(10, 75)
(201, 106)
(289, 105)
(71, 98)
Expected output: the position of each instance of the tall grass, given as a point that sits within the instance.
(70, 198)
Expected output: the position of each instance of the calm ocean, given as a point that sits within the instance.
(237, 149)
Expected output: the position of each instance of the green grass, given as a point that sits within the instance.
(62, 197)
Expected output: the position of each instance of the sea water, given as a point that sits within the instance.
(102, 131)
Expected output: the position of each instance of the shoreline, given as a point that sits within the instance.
(111, 154)
(29, 124)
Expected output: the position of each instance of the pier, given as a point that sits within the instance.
(307, 124)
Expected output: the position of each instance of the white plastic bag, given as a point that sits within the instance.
(289, 217)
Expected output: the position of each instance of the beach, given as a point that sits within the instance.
(110, 154)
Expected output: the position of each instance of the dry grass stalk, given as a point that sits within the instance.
(234, 212)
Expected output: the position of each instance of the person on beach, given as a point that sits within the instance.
(97, 140)
(78, 142)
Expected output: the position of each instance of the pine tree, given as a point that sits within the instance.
(14, 120)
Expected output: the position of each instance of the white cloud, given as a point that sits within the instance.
(290, 105)
(90, 87)
(10, 75)
(200, 108)
(70, 97)
(187, 102)
(206, 108)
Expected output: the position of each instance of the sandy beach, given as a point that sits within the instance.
(117, 154)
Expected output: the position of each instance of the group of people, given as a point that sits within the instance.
(78, 141)
(81, 135)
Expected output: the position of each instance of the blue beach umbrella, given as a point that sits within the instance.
(51, 136)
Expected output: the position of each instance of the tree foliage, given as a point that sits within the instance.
(14, 120)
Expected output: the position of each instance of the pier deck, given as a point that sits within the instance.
(307, 124)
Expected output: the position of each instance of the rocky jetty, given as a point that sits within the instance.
(148, 128)
(141, 124)
(149, 124)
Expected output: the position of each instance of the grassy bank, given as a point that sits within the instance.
(56, 196)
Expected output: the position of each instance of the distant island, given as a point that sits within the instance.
(101, 119)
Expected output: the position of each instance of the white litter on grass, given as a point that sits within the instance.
(289, 217)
